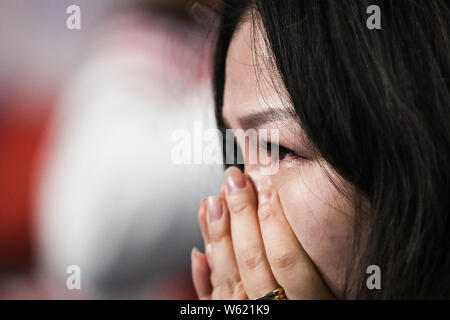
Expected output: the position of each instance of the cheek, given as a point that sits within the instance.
(320, 218)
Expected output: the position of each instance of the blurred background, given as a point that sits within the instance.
(86, 119)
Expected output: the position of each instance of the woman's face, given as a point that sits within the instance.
(319, 215)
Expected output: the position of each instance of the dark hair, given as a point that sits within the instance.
(375, 104)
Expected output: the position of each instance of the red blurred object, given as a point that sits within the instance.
(23, 118)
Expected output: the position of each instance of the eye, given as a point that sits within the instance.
(284, 153)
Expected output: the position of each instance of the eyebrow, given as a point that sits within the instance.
(257, 119)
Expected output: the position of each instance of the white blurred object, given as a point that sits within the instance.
(111, 201)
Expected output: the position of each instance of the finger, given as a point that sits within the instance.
(225, 273)
(248, 245)
(201, 275)
(291, 266)
(222, 192)
(202, 219)
(202, 222)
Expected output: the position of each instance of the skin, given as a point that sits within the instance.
(300, 237)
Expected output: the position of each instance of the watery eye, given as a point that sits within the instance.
(284, 154)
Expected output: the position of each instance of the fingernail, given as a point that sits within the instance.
(214, 209)
(264, 195)
(235, 179)
(194, 252)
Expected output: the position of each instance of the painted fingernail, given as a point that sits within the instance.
(235, 179)
(215, 211)
(264, 195)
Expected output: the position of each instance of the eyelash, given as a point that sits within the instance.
(282, 151)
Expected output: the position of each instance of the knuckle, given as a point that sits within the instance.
(216, 234)
(240, 205)
(283, 261)
(227, 287)
(230, 283)
(264, 211)
(252, 259)
(239, 292)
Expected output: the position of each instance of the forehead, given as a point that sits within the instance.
(246, 85)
